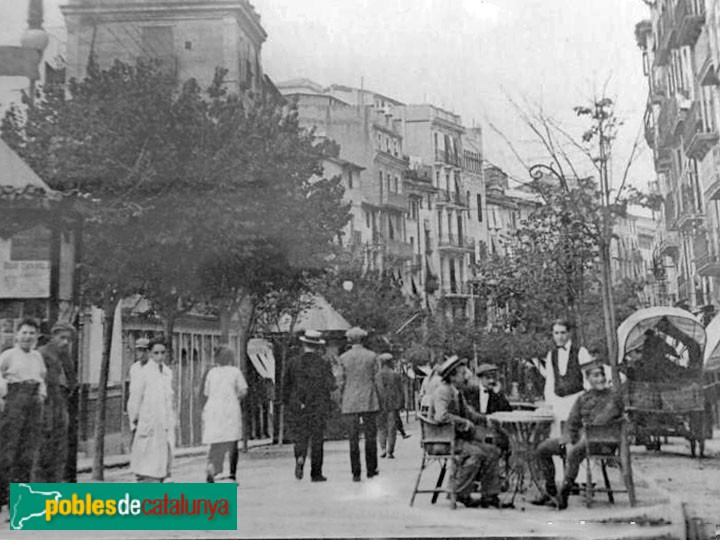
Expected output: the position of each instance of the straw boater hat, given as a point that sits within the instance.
(593, 364)
(485, 368)
(142, 343)
(312, 337)
(449, 365)
(355, 334)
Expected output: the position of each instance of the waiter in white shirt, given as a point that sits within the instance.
(563, 374)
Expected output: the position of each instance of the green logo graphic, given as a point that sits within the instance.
(37, 507)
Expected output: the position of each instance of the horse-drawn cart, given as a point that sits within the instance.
(661, 352)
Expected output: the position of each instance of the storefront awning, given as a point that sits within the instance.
(260, 353)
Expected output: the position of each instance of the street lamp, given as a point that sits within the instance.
(348, 285)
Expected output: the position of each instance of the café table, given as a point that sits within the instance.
(526, 430)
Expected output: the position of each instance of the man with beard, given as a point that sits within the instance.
(60, 382)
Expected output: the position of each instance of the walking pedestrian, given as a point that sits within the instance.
(309, 384)
(61, 380)
(358, 367)
(389, 387)
(224, 388)
(24, 373)
(150, 409)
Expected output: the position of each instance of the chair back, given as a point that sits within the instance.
(604, 440)
(437, 439)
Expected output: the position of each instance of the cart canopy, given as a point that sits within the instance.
(631, 333)
(711, 359)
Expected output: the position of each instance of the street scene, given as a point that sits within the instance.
(410, 269)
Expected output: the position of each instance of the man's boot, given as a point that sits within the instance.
(564, 494)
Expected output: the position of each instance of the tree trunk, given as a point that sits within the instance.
(101, 403)
(168, 330)
(245, 310)
(225, 317)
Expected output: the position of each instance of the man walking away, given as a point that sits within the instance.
(389, 387)
(24, 373)
(60, 384)
(309, 382)
(358, 368)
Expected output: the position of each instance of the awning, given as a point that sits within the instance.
(320, 316)
(261, 356)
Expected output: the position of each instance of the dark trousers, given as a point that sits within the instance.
(400, 427)
(387, 430)
(20, 430)
(310, 432)
(478, 461)
(353, 427)
(50, 466)
(216, 456)
(556, 447)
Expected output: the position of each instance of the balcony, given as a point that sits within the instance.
(451, 198)
(456, 290)
(666, 32)
(389, 200)
(447, 157)
(689, 20)
(663, 160)
(422, 174)
(399, 249)
(670, 121)
(690, 214)
(456, 243)
(697, 138)
(708, 265)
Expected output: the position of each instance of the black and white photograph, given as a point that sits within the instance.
(382, 268)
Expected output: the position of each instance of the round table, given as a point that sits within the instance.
(526, 430)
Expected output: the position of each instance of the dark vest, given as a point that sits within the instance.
(572, 381)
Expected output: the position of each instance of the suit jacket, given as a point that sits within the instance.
(390, 390)
(497, 402)
(309, 382)
(358, 368)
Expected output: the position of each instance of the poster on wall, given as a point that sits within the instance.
(25, 264)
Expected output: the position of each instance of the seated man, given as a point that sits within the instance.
(478, 460)
(486, 397)
(597, 406)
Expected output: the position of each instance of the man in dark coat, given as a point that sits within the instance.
(389, 386)
(309, 382)
(60, 381)
(358, 368)
(485, 396)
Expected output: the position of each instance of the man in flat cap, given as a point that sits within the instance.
(485, 396)
(60, 380)
(478, 459)
(308, 385)
(142, 355)
(390, 392)
(358, 368)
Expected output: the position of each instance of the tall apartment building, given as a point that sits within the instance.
(423, 179)
(189, 38)
(681, 56)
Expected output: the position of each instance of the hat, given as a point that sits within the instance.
(449, 365)
(142, 343)
(485, 368)
(385, 357)
(63, 327)
(595, 363)
(312, 337)
(355, 334)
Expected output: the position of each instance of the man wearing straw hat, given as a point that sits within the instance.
(309, 383)
(60, 381)
(358, 368)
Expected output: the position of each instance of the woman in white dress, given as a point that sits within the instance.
(224, 388)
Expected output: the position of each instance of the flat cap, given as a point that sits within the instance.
(142, 343)
(63, 327)
(385, 357)
(486, 368)
(356, 334)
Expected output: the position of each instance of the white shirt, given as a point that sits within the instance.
(484, 397)
(16, 365)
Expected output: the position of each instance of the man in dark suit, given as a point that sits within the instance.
(485, 396)
(309, 382)
(389, 386)
(357, 371)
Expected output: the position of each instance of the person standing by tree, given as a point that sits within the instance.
(389, 387)
(23, 370)
(358, 367)
(224, 387)
(61, 380)
(563, 376)
(309, 384)
(150, 409)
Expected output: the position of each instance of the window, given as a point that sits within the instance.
(379, 141)
(367, 219)
(447, 182)
(395, 147)
(429, 202)
(389, 182)
(435, 140)
(397, 184)
(479, 210)
(387, 144)
(440, 224)
(380, 174)
(350, 179)
(437, 178)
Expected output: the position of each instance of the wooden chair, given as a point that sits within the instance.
(602, 445)
(438, 445)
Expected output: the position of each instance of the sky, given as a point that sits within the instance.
(468, 56)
